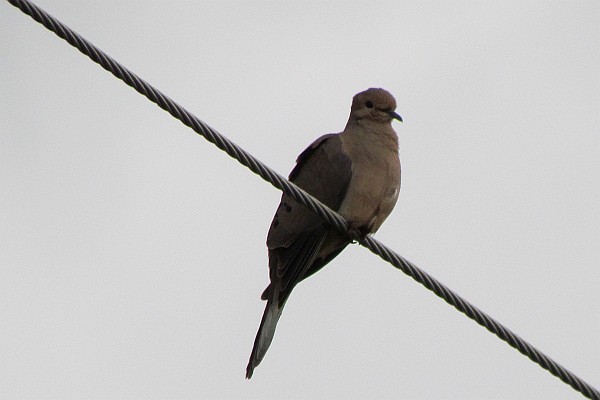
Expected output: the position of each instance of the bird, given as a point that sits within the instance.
(355, 172)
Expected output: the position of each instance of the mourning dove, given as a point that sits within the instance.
(356, 173)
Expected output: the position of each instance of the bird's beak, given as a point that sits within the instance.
(394, 115)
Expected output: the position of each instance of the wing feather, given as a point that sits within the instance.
(297, 234)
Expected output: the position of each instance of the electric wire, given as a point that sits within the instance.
(330, 216)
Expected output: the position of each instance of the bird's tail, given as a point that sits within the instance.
(265, 333)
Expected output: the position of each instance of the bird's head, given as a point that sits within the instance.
(374, 105)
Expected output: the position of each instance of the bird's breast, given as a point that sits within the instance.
(374, 186)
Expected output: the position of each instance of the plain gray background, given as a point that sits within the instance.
(132, 252)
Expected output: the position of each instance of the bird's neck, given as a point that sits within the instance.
(373, 132)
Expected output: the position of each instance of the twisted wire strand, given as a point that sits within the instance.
(300, 195)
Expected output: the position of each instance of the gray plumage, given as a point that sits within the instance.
(356, 173)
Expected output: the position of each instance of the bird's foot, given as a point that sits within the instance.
(357, 233)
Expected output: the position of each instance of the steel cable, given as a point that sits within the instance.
(281, 183)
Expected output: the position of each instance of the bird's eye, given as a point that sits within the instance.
(369, 104)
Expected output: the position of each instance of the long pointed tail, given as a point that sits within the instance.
(265, 333)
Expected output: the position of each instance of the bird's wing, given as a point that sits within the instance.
(297, 234)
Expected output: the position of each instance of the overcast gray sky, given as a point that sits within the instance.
(132, 252)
